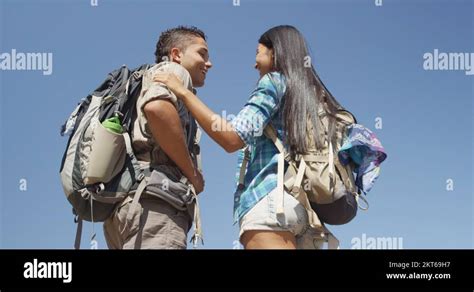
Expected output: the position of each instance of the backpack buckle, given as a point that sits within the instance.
(196, 149)
(119, 114)
(247, 154)
(240, 187)
(138, 74)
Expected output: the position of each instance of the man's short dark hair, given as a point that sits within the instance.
(178, 37)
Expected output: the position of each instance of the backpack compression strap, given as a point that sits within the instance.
(77, 242)
(196, 219)
(349, 184)
(194, 208)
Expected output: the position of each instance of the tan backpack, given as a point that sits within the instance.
(317, 179)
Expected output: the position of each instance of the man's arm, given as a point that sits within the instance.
(165, 126)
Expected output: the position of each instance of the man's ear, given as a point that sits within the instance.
(175, 55)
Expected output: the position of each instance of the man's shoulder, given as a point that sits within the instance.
(171, 67)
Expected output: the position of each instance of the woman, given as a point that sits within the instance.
(288, 94)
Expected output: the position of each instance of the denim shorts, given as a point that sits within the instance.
(294, 219)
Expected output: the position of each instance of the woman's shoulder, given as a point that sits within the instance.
(274, 77)
(273, 80)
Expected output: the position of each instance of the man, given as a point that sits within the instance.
(163, 139)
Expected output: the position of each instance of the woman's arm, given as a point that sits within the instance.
(214, 125)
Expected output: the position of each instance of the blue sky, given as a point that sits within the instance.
(370, 57)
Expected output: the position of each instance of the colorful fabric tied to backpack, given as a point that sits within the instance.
(363, 148)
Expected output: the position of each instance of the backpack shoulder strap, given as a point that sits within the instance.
(271, 134)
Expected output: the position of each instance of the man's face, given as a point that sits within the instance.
(195, 58)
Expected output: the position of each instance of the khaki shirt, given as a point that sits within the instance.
(147, 151)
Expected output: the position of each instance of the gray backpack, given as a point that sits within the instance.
(99, 167)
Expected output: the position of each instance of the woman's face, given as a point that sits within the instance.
(264, 60)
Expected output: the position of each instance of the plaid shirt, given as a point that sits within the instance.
(262, 108)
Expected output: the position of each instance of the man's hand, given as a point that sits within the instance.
(197, 180)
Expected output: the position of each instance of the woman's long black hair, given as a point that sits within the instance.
(305, 93)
